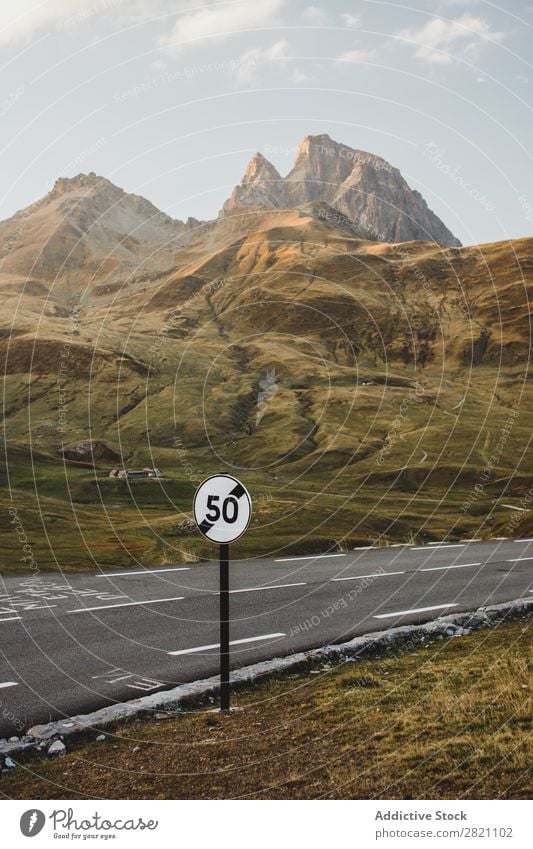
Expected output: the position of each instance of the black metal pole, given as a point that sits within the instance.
(224, 627)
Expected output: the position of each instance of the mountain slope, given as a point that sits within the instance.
(361, 388)
(87, 229)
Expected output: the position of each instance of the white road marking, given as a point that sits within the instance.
(455, 566)
(144, 572)
(127, 604)
(8, 684)
(312, 557)
(364, 547)
(529, 539)
(11, 619)
(414, 610)
(518, 559)
(476, 539)
(514, 507)
(232, 643)
(375, 575)
(273, 587)
(440, 545)
(397, 545)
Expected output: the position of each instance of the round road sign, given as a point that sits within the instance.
(222, 508)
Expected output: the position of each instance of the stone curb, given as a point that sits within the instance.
(460, 624)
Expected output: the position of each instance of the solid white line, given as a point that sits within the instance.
(232, 643)
(425, 547)
(126, 604)
(8, 684)
(313, 557)
(456, 566)
(375, 575)
(273, 587)
(414, 610)
(144, 572)
(518, 559)
(11, 619)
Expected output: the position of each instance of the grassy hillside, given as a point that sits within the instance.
(363, 391)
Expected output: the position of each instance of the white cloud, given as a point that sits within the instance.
(300, 76)
(350, 20)
(440, 41)
(252, 59)
(220, 22)
(22, 20)
(315, 16)
(357, 55)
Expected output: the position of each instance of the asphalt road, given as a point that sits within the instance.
(71, 644)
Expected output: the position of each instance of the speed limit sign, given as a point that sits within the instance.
(222, 508)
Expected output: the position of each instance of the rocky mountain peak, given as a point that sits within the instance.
(82, 183)
(364, 187)
(260, 168)
(262, 185)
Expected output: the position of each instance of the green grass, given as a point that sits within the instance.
(78, 518)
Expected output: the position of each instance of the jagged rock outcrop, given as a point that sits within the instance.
(262, 185)
(364, 188)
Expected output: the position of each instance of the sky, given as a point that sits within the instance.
(171, 99)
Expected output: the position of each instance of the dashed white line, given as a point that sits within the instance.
(375, 575)
(5, 684)
(476, 539)
(364, 547)
(11, 619)
(144, 572)
(126, 604)
(232, 643)
(529, 539)
(455, 566)
(439, 545)
(413, 610)
(312, 557)
(518, 559)
(273, 587)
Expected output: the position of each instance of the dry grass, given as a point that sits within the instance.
(451, 719)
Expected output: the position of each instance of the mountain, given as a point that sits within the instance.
(363, 187)
(397, 399)
(87, 229)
